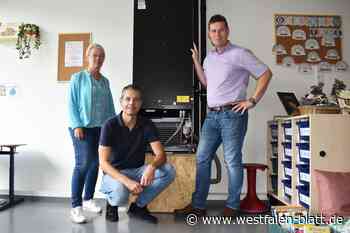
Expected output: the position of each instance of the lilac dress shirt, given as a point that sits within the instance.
(227, 74)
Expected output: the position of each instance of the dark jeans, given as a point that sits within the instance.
(86, 165)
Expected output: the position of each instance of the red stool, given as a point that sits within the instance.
(251, 203)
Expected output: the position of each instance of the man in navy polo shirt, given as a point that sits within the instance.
(122, 158)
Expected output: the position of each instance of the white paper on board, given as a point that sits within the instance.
(74, 54)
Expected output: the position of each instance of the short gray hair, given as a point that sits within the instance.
(94, 46)
(131, 87)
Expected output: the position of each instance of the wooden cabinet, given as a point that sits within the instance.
(305, 143)
(179, 193)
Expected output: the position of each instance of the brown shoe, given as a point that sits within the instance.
(190, 210)
(229, 212)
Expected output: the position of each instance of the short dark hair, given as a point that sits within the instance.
(131, 87)
(218, 18)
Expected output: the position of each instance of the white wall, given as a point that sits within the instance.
(38, 115)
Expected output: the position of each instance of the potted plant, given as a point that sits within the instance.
(28, 38)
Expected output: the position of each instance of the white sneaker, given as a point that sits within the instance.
(91, 206)
(76, 215)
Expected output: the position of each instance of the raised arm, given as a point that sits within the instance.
(197, 65)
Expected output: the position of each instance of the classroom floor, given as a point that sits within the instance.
(50, 215)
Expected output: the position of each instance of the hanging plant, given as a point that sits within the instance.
(28, 38)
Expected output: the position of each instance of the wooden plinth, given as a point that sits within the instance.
(179, 193)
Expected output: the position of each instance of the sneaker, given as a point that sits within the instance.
(76, 215)
(141, 213)
(111, 213)
(189, 209)
(91, 206)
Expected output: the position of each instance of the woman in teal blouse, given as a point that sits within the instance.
(90, 105)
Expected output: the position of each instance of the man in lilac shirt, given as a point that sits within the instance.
(225, 74)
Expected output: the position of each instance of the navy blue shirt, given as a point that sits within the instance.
(128, 146)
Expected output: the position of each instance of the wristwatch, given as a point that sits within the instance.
(252, 100)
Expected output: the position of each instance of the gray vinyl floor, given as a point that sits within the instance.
(48, 215)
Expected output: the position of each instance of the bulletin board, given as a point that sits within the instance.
(311, 39)
(71, 54)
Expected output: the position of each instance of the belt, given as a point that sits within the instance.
(220, 108)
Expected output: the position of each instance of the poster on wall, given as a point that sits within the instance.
(8, 90)
(308, 39)
(74, 53)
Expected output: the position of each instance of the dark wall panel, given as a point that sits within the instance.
(162, 63)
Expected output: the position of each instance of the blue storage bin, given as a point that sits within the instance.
(304, 195)
(304, 129)
(287, 148)
(274, 183)
(287, 166)
(304, 152)
(304, 172)
(287, 185)
(287, 128)
(274, 162)
(274, 130)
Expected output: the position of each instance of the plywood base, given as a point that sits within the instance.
(179, 193)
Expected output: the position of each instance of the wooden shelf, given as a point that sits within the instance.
(329, 133)
(8, 38)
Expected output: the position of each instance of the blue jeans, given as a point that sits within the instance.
(117, 194)
(86, 165)
(229, 128)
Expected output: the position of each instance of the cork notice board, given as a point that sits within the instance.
(71, 54)
(309, 39)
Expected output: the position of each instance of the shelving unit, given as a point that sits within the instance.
(306, 143)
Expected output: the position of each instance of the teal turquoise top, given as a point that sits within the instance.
(90, 101)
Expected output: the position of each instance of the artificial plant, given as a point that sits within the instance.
(28, 38)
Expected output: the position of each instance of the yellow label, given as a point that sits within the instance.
(182, 99)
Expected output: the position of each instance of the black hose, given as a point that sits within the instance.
(218, 171)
